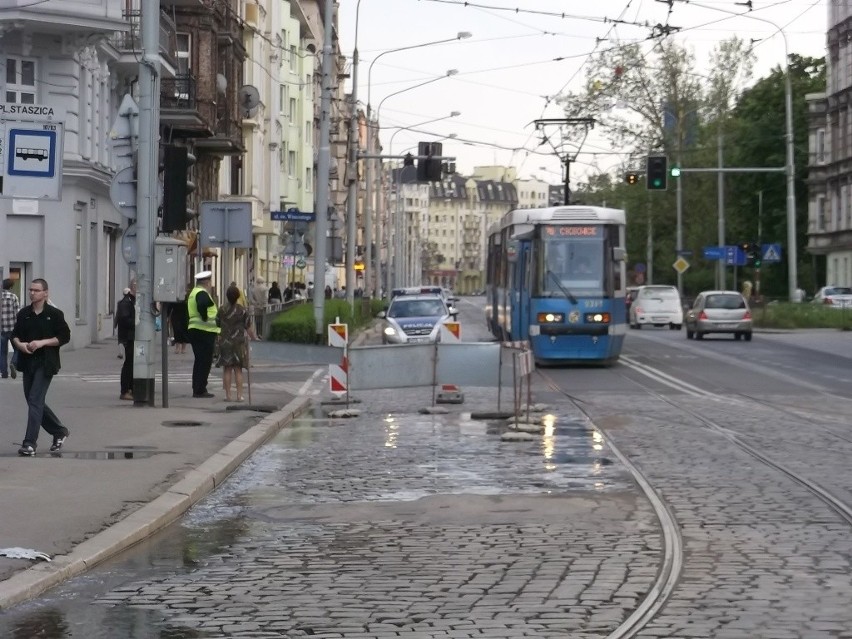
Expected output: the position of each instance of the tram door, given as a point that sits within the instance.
(521, 319)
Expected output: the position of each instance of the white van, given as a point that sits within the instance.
(657, 305)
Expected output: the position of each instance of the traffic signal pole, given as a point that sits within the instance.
(146, 202)
(323, 169)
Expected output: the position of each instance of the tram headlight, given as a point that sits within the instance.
(597, 318)
(550, 318)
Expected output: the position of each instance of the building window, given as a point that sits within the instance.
(309, 179)
(292, 113)
(309, 79)
(819, 213)
(283, 102)
(183, 52)
(291, 164)
(308, 136)
(820, 146)
(111, 237)
(20, 80)
(293, 58)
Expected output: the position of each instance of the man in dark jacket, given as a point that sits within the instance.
(125, 324)
(40, 329)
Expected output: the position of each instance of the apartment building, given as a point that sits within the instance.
(830, 155)
(72, 61)
(57, 61)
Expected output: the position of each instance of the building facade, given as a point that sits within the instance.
(830, 155)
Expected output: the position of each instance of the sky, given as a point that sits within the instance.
(523, 53)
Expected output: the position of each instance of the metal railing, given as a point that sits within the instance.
(178, 92)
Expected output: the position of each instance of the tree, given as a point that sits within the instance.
(654, 101)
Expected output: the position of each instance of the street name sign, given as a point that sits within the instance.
(31, 140)
(714, 252)
(293, 215)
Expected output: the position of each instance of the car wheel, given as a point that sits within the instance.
(689, 334)
(638, 326)
(748, 337)
(737, 336)
(699, 335)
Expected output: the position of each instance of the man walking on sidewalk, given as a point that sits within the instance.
(9, 307)
(203, 330)
(40, 329)
(125, 324)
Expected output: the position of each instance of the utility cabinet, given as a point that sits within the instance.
(170, 275)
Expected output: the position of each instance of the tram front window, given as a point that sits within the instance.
(575, 265)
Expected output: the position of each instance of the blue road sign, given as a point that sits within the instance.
(31, 153)
(770, 252)
(734, 256)
(639, 267)
(685, 252)
(293, 215)
(714, 252)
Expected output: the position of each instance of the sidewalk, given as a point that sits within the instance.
(126, 471)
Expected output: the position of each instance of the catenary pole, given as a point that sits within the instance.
(323, 166)
(352, 190)
(146, 202)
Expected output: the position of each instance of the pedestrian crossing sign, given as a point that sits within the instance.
(771, 252)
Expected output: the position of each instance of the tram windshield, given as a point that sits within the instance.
(572, 264)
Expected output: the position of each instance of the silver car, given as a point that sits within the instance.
(719, 312)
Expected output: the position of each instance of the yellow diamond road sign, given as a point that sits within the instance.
(680, 265)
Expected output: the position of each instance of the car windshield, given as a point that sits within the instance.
(416, 308)
(839, 290)
(730, 302)
(660, 293)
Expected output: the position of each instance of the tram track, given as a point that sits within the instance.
(673, 543)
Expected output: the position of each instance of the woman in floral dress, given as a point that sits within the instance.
(236, 330)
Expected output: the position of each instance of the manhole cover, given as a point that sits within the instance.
(181, 423)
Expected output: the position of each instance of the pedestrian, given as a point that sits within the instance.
(275, 296)
(201, 311)
(328, 292)
(309, 291)
(9, 307)
(40, 330)
(179, 320)
(236, 330)
(125, 325)
(258, 300)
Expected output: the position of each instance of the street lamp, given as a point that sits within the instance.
(790, 169)
(449, 73)
(409, 257)
(461, 35)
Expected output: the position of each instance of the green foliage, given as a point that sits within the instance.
(297, 323)
(786, 315)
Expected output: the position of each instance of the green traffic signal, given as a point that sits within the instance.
(675, 171)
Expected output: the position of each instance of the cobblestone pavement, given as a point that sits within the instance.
(763, 557)
(395, 524)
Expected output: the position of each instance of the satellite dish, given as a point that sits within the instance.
(221, 83)
(249, 98)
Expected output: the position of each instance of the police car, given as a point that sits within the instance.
(413, 319)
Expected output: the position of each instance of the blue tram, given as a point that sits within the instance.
(556, 277)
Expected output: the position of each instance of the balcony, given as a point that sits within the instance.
(129, 43)
(230, 31)
(227, 132)
(65, 17)
(179, 106)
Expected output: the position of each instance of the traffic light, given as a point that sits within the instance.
(657, 172)
(632, 178)
(675, 171)
(429, 169)
(755, 256)
(177, 187)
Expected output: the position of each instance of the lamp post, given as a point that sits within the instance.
(368, 210)
(790, 169)
(408, 254)
(449, 73)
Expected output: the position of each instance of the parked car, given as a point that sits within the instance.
(834, 296)
(719, 312)
(412, 319)
(657, 305)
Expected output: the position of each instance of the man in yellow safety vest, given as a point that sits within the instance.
(202, 331)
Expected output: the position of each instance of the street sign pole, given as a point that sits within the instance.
(146, 203)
